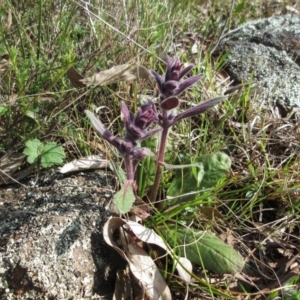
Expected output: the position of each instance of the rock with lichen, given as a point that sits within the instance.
(51, 238)
(266, 52)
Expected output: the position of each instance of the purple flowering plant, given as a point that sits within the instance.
(140, 126)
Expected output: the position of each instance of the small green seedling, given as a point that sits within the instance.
(44, 154)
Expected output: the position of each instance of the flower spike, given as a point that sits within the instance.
(169, 84)
(136, 129)
(136, 126)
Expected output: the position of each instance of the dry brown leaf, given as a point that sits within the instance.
(75, 77)
(140, 209)
(117, 73)
(145, 270)
(140, 263)
(11, 162)
(291, 9)
(86, 163)
(211, 213)
(228, 237)
(151, 237)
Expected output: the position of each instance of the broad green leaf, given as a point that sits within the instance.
(33, 150)
(47, 154)
(124, 198)
(204, 249)
(215, 167)
(52, 154)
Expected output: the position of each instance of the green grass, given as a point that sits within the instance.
(38, 101)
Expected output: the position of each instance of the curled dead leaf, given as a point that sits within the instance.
(85, 163)
(75, 77)
(117, 73)
(183, 265)
(140, 263)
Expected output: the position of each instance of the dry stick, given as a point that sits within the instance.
(16, 180)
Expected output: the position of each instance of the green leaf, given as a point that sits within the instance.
(31, 114)
(48, 154)
(3, 110)
(288, 291)
(118, 171)
(33, 150)
(204, 249)
(239, 7)
(215, 166)
(124, 198)
(52, 154)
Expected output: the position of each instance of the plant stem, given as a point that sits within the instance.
(160, 159)
(130, 168)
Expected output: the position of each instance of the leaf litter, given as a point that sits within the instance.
(125, 72)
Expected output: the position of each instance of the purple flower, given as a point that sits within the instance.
(136, 129)
(169, 84)
(136, 126)
(170, 88)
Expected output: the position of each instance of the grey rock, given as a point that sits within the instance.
(51, 244)
(267, 51)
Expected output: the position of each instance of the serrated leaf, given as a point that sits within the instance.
(124, 198)
(33, 150)
(52, 154)
(49, 154)
(215, 167)
(204, 249)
